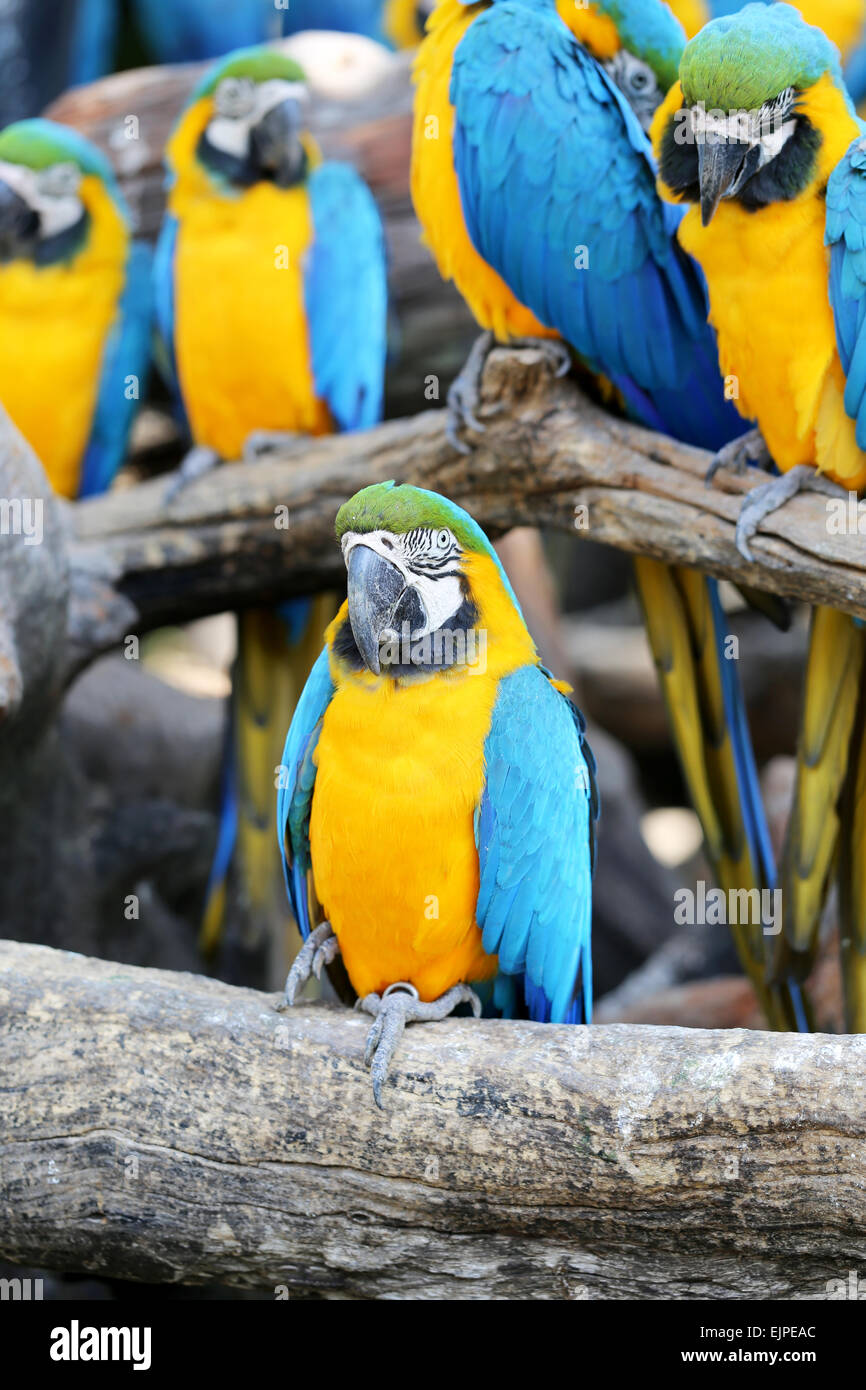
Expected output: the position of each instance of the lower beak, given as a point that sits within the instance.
(720, 169)
(276, 144)
(19, 224)
(375, 589)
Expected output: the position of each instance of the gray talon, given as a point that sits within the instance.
(265, 442)
(319, 949)
(391, 1012)
(194, 464)
(768, 498)
(748, 451)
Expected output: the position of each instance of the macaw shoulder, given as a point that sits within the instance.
(435, 187)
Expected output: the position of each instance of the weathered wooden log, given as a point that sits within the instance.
(131, 115)
(167, 1127)
(548, 457)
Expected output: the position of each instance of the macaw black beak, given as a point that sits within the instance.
(275, 144)
(722, 169)
(19, 225)
(375, 589)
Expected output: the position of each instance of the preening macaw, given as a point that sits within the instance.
(271, 296)
(535, 185)
(399, 23)
(438, 803)
(760, 137)
(74, 305)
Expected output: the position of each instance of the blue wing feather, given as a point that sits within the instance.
(550, 156)
(535, 832)
(123, 381)
(846, 237)
(346, 296)
(295, 794)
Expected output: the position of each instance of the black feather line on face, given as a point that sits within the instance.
(464, 620)
(241, 173)
(780, 181)
(65, 244)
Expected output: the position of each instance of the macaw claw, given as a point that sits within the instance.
(320, 948)
(464, 396)
(199, 461)
(763, 501)
(391, 1012)
(262, 442)
(748, 451)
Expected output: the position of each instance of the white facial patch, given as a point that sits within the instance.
(441, 595)
(51, 192)
(240, 103)
(766, 129)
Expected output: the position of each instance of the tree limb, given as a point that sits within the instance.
(225, 1141)
(547, 452)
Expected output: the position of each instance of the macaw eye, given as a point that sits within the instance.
(235, 97)
(443, 540)
(60, 181)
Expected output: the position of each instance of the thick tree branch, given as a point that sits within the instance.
(227, 1142)
(547, 452)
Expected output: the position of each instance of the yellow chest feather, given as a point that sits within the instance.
(392, 838)
(436, 192)
(242, 339)
(54, 322)
(767, 274)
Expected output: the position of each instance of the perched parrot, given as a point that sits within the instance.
(526, 154)
(778, 224)
(438, 798)
(271, 299)
(399, 23)
(74, 305)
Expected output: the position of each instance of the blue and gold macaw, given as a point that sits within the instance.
(74, 305)
(438, 803)
(535, 184)
(778, 224)
(271, 297)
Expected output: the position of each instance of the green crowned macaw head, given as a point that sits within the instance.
(738, 124)
(425, 585)
(53, 183)
(245, 123)
(649, 45)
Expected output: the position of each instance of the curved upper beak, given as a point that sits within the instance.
(375, 590)
(722, 169)
(19, 224)
(276, 145)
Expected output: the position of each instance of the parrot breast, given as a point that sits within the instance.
(56, 320)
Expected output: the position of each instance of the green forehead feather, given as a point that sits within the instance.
(38, 144)
(400, 507)
(649, 30)
(260, 64)
(741, 61)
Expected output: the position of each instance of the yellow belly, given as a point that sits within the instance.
(54, 322)
(436, 192)
(767, 275)
(242, 339)
(391, 832)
